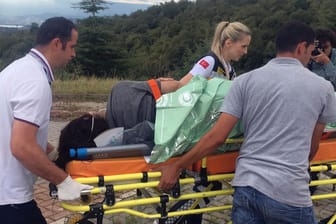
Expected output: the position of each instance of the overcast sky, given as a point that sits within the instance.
(30, 7)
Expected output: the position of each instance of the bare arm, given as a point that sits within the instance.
(25, 148)
(170, 85)
(185, 79)
(315, 141)
(50, 148)
(207, 144)
(321, 58)
(52, 153)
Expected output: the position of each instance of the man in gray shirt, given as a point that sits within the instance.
(284, 108)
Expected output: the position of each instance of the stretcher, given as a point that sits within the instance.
(186, 202)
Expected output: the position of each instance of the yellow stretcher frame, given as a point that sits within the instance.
(124, 182)
(124, 206)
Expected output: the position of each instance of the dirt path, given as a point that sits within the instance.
(67, 110)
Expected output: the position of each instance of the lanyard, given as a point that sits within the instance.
(46, 67)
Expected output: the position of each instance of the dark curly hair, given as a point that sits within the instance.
(324, 35)
(79, 132)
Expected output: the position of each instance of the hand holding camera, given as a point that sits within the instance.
(318, 48)
(318, 54)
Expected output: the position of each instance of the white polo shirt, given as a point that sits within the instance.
(25, 94)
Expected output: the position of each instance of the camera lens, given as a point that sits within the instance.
(315, 52)
(317, 45)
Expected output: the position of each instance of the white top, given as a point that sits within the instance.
(206, 67)
(25, 94)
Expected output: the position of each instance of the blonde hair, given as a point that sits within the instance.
(225, 30)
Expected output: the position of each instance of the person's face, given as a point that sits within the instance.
(326, 46)
(235, 50)
(65, 54)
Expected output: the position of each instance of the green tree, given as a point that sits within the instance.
(167, 39)
(98, 52)
(14, 45)
(92, 6)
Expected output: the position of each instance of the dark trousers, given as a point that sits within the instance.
(253, 207)
(26, 213)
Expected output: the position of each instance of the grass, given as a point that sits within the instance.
(83, 89)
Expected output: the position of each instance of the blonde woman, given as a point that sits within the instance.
(230, 43)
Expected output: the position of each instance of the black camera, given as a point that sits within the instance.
(317, 46)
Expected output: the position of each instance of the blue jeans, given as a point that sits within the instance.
(21, 214)
(253, 207)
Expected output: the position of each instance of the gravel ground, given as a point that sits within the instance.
(67, 110)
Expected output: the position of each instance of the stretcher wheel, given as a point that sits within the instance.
(73, 219)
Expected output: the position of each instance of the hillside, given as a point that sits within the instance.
(165, 40)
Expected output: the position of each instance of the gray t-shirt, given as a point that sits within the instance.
(279, 105)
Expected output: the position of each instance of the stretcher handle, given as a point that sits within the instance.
(53, 192)
(85, 192)
(234, 140)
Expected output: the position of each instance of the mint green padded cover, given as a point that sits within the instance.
(184, 116)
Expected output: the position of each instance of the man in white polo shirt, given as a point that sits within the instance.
(25, 103)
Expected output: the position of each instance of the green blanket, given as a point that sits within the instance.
(184, 116)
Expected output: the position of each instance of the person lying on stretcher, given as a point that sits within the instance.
(130, 104)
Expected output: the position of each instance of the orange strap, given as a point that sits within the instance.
(155, 88)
